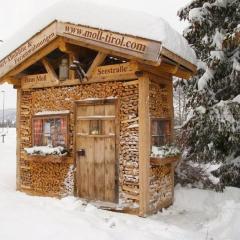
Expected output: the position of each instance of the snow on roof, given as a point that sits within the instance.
(104, 17)
(52, 113)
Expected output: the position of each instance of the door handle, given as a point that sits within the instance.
(81, 152)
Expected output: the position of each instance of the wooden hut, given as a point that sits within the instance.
(94, 101)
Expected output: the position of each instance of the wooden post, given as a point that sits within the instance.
(18, 179)
(144, 144)
(72, 57)
(170, 96)
(49, 68)
(170, 101)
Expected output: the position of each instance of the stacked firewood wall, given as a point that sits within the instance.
(50, 178)
(129, 163)
(161, 179)
(32, 174)
(25, 139)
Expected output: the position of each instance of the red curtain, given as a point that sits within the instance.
(64, 129)
(38, 132)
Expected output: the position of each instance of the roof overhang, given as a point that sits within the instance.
(143, 50)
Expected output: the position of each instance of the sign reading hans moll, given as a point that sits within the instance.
(141, 48)
(27, 49)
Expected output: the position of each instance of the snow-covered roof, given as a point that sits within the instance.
(104, 17)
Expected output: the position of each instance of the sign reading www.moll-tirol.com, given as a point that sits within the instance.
(139, 47)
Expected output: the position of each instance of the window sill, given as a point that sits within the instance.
(160, 161)
(48, 158)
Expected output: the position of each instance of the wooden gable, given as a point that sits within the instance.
(65, 36)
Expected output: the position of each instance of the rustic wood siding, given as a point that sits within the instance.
(56, 178)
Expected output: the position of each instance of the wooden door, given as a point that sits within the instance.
(96, 150)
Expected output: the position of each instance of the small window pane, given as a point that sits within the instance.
(50, 131)
(161, 133)
(95, 127)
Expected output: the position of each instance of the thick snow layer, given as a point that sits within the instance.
(202, 82)
(237, 99)
(201, 109)
(52, 112)
(45, 150)
(196, 214)
(104, 17)
(164, 151)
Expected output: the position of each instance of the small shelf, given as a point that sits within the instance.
(159, 161)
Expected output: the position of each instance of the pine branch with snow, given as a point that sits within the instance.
(212, 131)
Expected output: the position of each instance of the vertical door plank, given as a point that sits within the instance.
(80, 110)
(83, 143)
(82, 168)
(91, 167)
(89, 151)
(110, 186)
(90, 157)
(99, 156)
(82, 127)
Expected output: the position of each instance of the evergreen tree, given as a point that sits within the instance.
(212, 131)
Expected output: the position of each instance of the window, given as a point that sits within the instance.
(50, 130)
(161, 132)
(95, 127)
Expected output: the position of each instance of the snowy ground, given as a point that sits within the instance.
(196, 214)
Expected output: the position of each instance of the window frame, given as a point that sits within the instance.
(66, 116)
(170, 129)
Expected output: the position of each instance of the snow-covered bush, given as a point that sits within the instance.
(165, 151)
(197, 176)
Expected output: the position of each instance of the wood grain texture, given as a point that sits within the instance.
(100, 155)
(144, 144)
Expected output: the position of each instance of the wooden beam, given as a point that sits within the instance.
(144, 49)
(67, 48)
(11, 80)
(183, 74)
(96, 62)
(167, 70)
(144, 144)
(49, 68)
(109, 52)
(71, 56)
(178, 59)
(155, 71)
